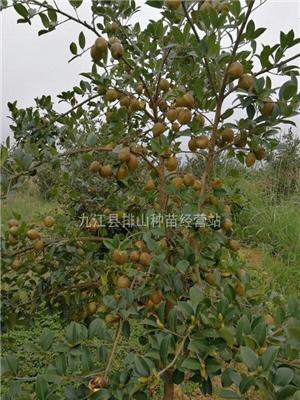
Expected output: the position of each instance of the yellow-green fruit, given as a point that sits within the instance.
(158, 129)
(132, 162)
(111, 95)
(156, 297)
(200, 120)
(250, 159)
(171, 164)
(38, 245)
(123, 282)
(12, 222)
(260, 153)
(117, 50)
(106, 171)
(267, 108)
(227, 135)
(80, 251)
(162, 105)
(14, 230)
(149, 185)
(171, 114)
(188, 100)
(235, 70)
(124, 154)
(49, 221)
(101, 45)
(134, 104)
(164, 85)
(227, 224)
(192, 144)
(172, 4)
(120, 257)
(33, 234)
(92, 308)
(184, 116)
(111, 319)
(197, 185)
(234, 245)
(210, 278)
(95, 55)
(246, 82)
(114, 27)
(188, 179)
(177, 182)
(122, 172)
(202, 142)
(95, 166)
(113, 40)
(145, 258)
(134, 256)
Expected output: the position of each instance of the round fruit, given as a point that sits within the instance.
(38, 245)
(113, 40)
(158, 129)
(49, 221)
(267, 108)
(106, 171)
(202, 142)
(234, 245)
(210, 278)
(139, 88)
(173, 4)
(101, 45)
(16, 263)
(111, 319)
(114, 27)
(33, 234)
(175, 127)
(156, 297)
(192, 144)
(200, 120)
(92, 308)
(150, 185)
(250, 159)
(164, 85)
(134, 104)
(111, 95)
(235, 70)
(171, 164)
(139, 244)
(124, 154)
(123, 282)
(179, 102)
(171, 114)
(227, 224)
(122, 172)
(240, 140)
(117, 50)
(269, 319)
(95, 55)
(14, 230)
(120, 257)
(80, 252)
(12, 222)
(163, 243)
(12, 239)
(246, 82)
(162, 105)
(260, 153)
(145, 258)
(239, 290)
(197, 185)
(177, 182)
(134, 256)
(125, 101)
(188, 179)
(227, 135)
(132, 162)
(188, 100)
(184, 116)
(217, 184)
(95, 166)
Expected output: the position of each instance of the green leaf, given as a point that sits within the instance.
(191, 363)
(182, 265)
(249, 358)
(45, 20)
(297, 395)
(3, 154)
(76, 3)
(155, 3)
(21, 10)
(268, 357)
(41, 388)
(141, 366)
(164, 349)
(12, 363)
(260, 333)
(228, 335)
(76, 333)
(196, 295)
(97, 328)
(81, 40)
(283, 376)
(288, 90)
(73, 48)
(229, 394)
(46, 339)
(177, 377)
(52, 15)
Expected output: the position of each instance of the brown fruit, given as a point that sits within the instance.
(184, 116)
(210, 279)
(38, 245)
(95, 54)
(177, 182)
(139, 88)
(188, 100)
(227, 209)
(192, 144)
(173, 4)
(240, 140)
(106, 171)
(122, 171)
(113, 40)
(117, 50)
(14, 230)
(134, 256)
(200, 120)
(33, 234)
(267, 108)
(80, 252)
(145, 258)
(202, 142)
(139, 244)
(120, 257)
(132, 163)
(162, 105)
(49, 221)
(114, 27)
(95, 166)
(227, 224)
(163, 243)
(92, 308)
(12, 239)
(260, 153)
(235, 70)
(171, 114)
(227, 135)
(234, 245)
(217, 184)
(164, 85)
(16, 263)
(175, 127)
(156, 297)
(158, 129)
(111, 95)
(179, 101)
(246, 82)
(13, 222)
(269, 319)
(171, 164)
(250, 159)
(197, 185)
(125, 101)
(101, 45)
(123, 282)
(150, 185)
(188, 179)
(124, 154)
(239, 290)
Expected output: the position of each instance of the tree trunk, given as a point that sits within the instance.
(169, 387)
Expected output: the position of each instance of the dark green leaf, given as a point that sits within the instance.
(249, 358)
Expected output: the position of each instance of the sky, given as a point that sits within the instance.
(32, 66)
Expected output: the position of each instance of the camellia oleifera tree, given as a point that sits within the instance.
(196, 80)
